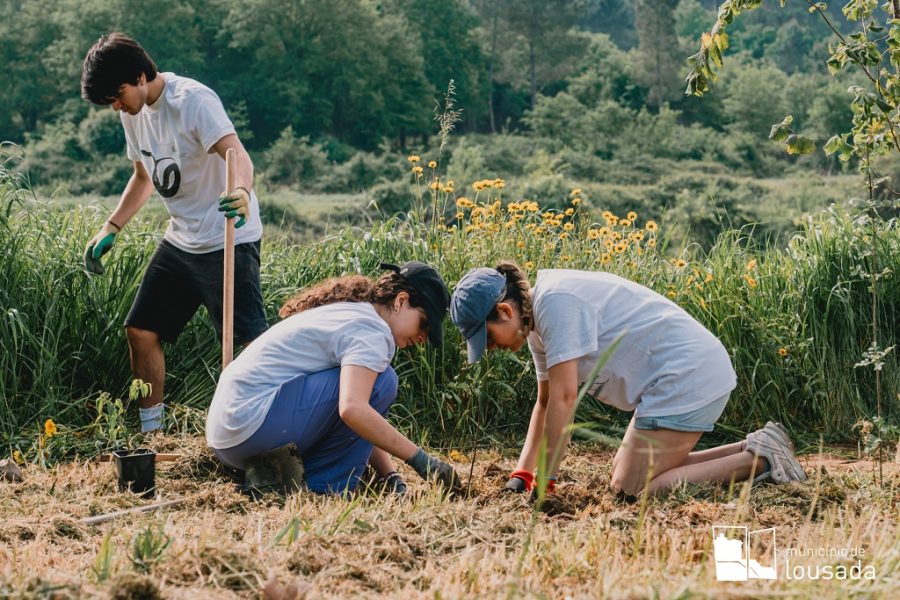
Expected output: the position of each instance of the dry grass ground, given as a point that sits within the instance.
(587, 544)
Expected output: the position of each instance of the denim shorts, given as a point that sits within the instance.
(701, 419)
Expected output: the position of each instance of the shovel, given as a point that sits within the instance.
(228, 279)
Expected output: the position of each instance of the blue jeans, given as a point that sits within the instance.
(305, 412)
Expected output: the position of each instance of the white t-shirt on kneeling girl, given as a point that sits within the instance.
(334, 335)
(666, 364)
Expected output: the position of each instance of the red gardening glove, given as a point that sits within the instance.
(520, 481)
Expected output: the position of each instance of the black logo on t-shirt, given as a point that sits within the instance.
(168, 184)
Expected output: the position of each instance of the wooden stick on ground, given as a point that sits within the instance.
(98, 519)
(228, 280)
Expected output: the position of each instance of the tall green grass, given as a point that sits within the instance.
(795, 320)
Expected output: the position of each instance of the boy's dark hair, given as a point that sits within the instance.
(114, 60)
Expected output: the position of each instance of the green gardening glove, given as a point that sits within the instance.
(236, 204)
(99, 245)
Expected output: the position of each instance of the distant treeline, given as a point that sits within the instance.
(359, 72)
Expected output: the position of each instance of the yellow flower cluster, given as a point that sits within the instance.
(483, 184)
(49, 428)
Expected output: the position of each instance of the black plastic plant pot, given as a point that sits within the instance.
(137, 471)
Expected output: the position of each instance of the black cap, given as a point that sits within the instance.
(435, 298)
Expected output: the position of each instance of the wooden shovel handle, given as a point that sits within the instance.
(228, 280)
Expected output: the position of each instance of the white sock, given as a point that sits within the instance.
(151, 418)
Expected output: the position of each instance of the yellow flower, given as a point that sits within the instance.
(49, 428)
(593, 234)
(570, 212)
(576, 201)
(651, 226)
(751, 265)
(447, 189)
(616, 235)
(528, 265)
(607, 215)
(532, 207)
(538, 230)
(17, 456)
(457, 456)
(463, 202)
(612, 221)
(708, 278)
(625, 223)
(563, 235)
(679, 263)
(499, 184)
(450, 183)
(435, 185)
(651, 242)
(782, 352)
(566, 257)
(568, 227)
(432, 164)
(604, 258)
(671, 294)
(620, 247)
(604, 231)
(414, 158)
(637, 236)
(460, 215)
(417, 170)
(520, 244)
(750, 281)
(631, 216)
(575, 192)
(608, 244)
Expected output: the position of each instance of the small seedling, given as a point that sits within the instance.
(102, 568)
(148, 546)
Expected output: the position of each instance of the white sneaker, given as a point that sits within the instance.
(772, 444)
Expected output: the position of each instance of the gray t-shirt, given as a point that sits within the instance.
(666, 364)
(174, 138)
(334, 335)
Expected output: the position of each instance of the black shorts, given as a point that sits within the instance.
(176, 283)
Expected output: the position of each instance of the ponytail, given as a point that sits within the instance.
(517, 291)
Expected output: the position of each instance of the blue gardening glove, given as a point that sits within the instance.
(430, 468)
(99, 245)
(394, 483)
(236, 204)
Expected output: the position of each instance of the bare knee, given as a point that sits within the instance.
(142, 339)
(623, 482)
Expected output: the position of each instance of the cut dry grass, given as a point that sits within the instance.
(587, 543)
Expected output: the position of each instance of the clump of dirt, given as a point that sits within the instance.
(237, 570)
(132, 586)
(67, 528)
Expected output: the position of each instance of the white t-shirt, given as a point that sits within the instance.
(174, 139)
(666, 364)
(344, 333)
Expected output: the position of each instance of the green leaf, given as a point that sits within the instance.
(797, 144)
(780, 131)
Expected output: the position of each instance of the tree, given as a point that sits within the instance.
(658, 50)
(450, 51)
(545, 26)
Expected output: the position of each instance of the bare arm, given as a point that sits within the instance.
(529, 454)
(561, 404)
(354, 409)
(134, 197)
(243, 172)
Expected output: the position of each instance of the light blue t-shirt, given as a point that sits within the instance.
(666, 364)
(344, 333)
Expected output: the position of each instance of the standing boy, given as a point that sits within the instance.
(177, 134)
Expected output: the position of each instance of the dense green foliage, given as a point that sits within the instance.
(355, 78)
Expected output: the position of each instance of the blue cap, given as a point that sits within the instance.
(475, 296)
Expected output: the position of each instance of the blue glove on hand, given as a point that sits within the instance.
(430, 468)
